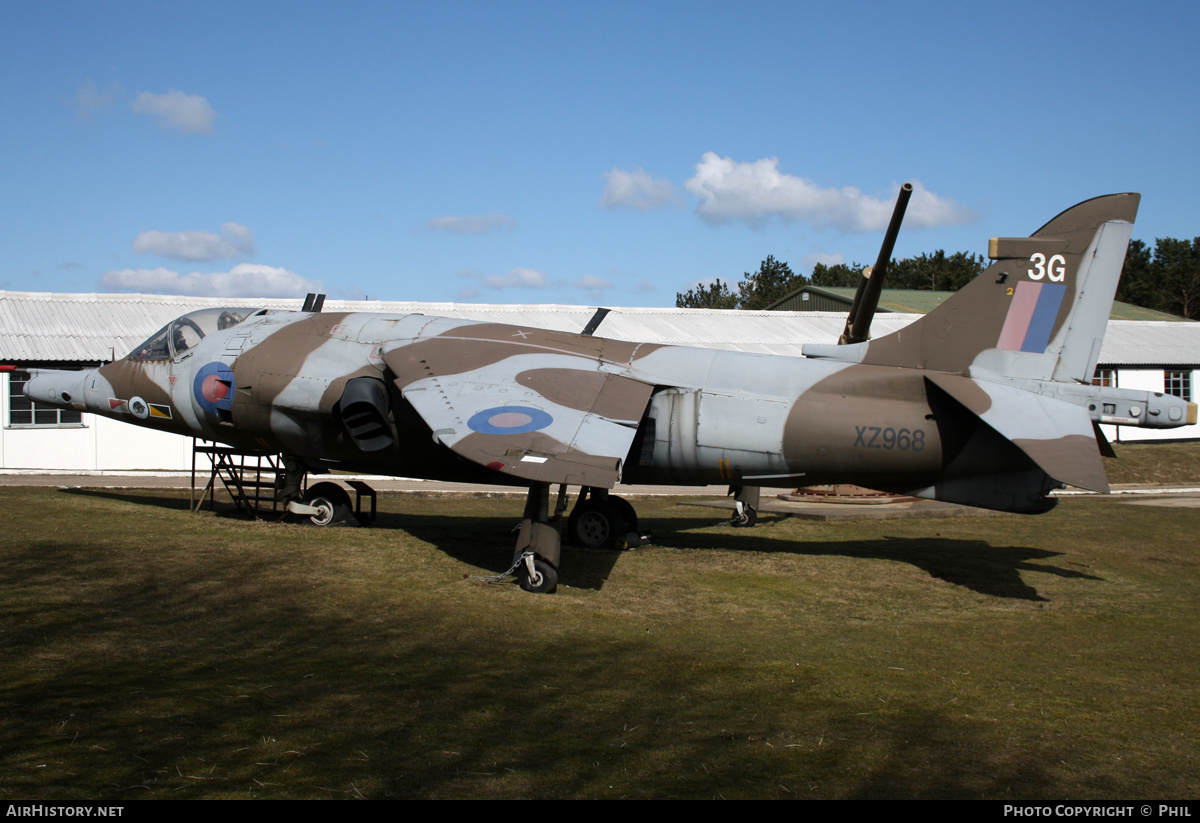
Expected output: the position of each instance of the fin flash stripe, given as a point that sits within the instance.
(1031, 316)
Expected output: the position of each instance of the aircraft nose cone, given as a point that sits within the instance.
(55, 388)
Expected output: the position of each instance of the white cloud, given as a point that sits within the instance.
(233, 241)
(590, 282)
(89, 100)
(188, 113)
(518, 278)
(243, 280)
(636, 189)
(471, 225)
(729, 190)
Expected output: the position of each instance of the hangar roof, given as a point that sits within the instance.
(921, 301)
(48, 326)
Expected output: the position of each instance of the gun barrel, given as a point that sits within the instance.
(870, 284)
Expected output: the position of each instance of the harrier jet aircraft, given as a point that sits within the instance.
(985, 401)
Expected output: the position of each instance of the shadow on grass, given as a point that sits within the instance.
(983, 567)
(214, 679)
(166, 664)
(487, 542)
(155, 498)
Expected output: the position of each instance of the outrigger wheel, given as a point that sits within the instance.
(536, 575)
(744, 516)
(539, 545)
(745, 506)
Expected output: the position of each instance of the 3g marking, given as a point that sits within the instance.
(1055, 270)
(879, 437)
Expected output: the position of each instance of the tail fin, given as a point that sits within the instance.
(1040, 311)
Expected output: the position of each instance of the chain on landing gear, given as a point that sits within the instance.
(539, 545)
(532, 573)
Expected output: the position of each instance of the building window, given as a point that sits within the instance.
(24, 412)
(1178, 383)
(1104, 377)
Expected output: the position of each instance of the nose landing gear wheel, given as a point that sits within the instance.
(332, 503)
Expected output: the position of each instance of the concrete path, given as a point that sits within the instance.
(1185, 496)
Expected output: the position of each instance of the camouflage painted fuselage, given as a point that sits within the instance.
(674, 414)
(984, 401)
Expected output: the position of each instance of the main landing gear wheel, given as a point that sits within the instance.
(627, 512)
(596, 524)
(543, 579)
(332, 502)
(746, 518)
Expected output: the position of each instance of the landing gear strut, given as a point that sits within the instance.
(745, 506)
(539, 545)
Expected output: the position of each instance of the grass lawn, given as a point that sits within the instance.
(149, 652)
(1155, 463)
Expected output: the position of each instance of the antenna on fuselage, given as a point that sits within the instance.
(313, 303)
(870, 282)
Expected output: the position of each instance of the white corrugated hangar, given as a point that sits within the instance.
(52, 330)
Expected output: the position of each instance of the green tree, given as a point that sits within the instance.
(1166, 280)
(773, 281)
(1139, 278)
(1179, 264)
(937, 271)
(715, 295)
(836, 276)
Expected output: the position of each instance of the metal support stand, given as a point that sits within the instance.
(247, 475)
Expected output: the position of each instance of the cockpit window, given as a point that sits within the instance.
(180, 335)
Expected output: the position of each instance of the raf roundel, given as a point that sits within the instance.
(213, 388)
(509, 420)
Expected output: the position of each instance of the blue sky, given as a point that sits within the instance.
(603, 153)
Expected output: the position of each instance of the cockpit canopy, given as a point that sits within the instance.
(181, 334)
